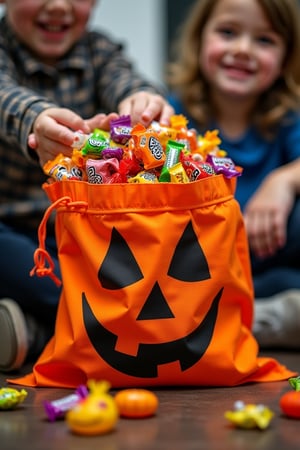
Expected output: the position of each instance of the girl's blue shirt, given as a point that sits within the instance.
(255, 154)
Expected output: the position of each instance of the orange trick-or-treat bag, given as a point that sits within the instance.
(157, 287)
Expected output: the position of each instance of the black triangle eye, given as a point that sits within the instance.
(189, 262)
(119, 267)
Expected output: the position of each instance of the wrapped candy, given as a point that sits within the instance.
(63, 168)
(56, 409)
(120, 129)
(173, 152)
(148, 149)
(295, 383)
(250, 416)
(11, 398)
(96, 142)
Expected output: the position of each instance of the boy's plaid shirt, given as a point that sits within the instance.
(93, 77)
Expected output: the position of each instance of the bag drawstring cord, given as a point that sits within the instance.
(44, 265)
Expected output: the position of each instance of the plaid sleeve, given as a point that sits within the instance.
(116, 76)
(19, 106)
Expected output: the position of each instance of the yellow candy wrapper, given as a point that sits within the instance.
(250, 416)
(11, 398)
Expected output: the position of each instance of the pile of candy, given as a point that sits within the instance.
(96, 413)
(92, 410)
(136, 154)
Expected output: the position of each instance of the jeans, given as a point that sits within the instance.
(281, 271)
(37, 296)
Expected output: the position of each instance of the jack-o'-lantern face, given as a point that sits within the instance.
(118, 271)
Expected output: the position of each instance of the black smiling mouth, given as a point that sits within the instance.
(188, 350)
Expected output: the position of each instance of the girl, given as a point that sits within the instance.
(237, 69)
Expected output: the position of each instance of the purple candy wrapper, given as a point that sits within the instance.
(112, 152)
(120, 129)
(223, 165)
(57, 409)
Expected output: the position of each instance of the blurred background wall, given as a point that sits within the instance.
(139, 24)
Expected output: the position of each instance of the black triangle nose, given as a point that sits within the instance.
(156, 306)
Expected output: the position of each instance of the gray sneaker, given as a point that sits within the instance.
(277, 320)
(13, 336)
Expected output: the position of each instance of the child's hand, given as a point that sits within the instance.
(267, 213)
(53, 133)
(101, 121)
(144, 107)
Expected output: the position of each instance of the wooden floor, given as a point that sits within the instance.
(187, 419)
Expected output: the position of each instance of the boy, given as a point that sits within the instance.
(55, 77)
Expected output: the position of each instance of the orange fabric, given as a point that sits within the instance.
(157, 288)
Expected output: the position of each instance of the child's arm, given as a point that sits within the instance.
(267, 212)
